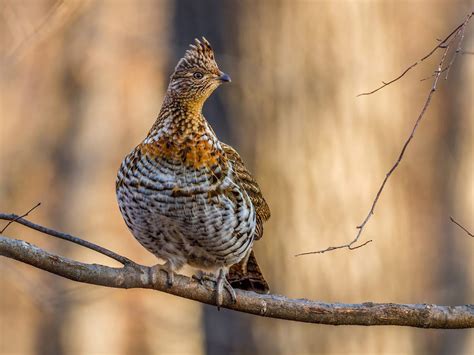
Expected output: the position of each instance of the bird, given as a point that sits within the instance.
(187, 197)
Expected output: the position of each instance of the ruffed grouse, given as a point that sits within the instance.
(187, 197)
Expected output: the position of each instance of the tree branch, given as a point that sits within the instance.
(272, 306)
(445, 44)
(12, 218)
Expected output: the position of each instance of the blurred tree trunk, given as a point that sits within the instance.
(50, 333)
(454, 175)
(217, 21)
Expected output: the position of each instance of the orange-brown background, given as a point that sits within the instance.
(81, 83)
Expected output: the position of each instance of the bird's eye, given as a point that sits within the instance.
(198, 75)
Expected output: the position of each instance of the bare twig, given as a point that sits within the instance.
(273, 306)
(18, 219)
(460, 226)
(446, 45)
(441, 45)
(348, 246)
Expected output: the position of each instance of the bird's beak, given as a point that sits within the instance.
(224, 78)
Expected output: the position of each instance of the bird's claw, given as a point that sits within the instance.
(203, 277)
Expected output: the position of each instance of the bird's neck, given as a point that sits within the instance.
(183, 106)
(179, 118)
(182, 134)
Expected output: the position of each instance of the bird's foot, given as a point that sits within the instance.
(166, 268)
(220, 282)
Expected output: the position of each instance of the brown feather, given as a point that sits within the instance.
(246, 275)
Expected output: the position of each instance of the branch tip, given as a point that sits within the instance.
(19, 217)
(461, 226)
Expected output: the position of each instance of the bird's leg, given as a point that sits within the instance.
(168, 268)
(221, 284)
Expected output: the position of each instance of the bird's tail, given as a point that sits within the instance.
(246, 275)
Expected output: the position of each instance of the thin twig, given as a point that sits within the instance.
(272, 306)
(384, 84)
(440, 45)
(434, 74)
(458, 49)
(23, 215)
(445, 44)
(19, 219)
(460, 226)
(348, 246)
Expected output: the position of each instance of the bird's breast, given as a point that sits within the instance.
(185, 146)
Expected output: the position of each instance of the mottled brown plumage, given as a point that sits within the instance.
(187, 197)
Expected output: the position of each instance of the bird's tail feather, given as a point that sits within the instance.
(246, 275)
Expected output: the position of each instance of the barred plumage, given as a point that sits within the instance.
(186, 196)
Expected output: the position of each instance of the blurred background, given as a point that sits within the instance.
(81, 84)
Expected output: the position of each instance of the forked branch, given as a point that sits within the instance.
(454, 39)
(442, 44)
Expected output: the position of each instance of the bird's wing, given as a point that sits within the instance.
(250, 186)
(246, 274)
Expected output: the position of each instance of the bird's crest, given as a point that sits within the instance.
(200, 54)
(201, 49)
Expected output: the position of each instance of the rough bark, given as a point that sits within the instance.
(134, 275)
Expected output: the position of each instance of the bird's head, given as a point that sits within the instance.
(197, 75)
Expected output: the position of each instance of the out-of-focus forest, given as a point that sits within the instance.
(81, 84)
